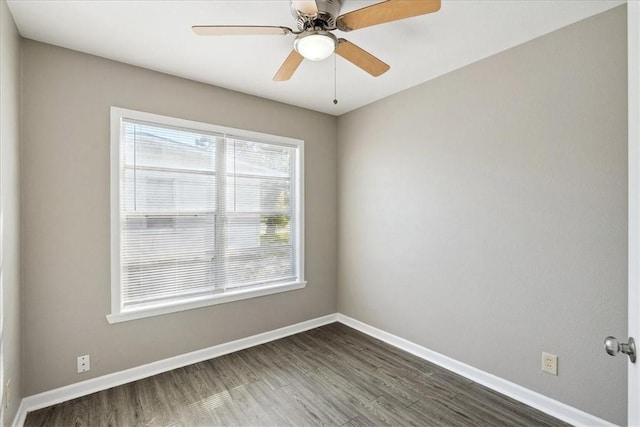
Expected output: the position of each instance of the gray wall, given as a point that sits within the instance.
(483, 214)
(65, 214)
(10, 212)
(484, 208)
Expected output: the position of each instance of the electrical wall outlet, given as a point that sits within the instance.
(84, 363)
(550, 363)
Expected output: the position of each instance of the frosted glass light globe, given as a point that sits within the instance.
(316, 46)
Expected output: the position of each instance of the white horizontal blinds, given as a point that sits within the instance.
(168, 213)
(201, 213)
(260, 228)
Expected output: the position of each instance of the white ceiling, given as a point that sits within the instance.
(157, 35)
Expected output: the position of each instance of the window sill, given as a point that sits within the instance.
(199, 302)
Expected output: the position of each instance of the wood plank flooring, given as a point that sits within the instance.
(332, 375)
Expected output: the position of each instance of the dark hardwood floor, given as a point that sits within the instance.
(331, 375)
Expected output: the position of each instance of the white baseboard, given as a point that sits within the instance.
(536, 400)
(21, 415)
(72, 391)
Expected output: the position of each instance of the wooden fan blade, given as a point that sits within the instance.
(361, 58)
(288, 67)
(240, 30)
(387, 11)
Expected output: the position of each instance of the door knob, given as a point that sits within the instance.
(613, 347)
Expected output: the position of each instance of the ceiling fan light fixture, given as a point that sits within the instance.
(315, 46)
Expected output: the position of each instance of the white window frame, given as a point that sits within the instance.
(120, 314)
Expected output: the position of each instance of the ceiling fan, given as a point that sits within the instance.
(316, 19)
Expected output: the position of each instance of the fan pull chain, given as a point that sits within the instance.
(335, 78)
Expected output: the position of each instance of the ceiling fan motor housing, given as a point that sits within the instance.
(328, 11)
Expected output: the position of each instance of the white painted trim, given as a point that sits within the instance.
(114, 184)
(72, 391)
(536, 400)
(21, 415)
(205, 301)
(300, 217)
(633, 63)
(205, 127)
(123, 314)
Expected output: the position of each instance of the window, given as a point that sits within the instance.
(200, 214)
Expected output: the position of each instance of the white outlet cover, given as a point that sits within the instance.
(550, 363)
(84, 363)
